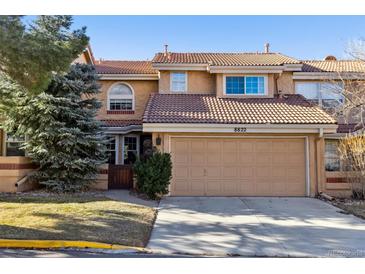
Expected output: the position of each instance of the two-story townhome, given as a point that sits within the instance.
(236, 124)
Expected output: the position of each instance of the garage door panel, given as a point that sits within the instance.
(263, 171)
(198, 158)
(229, 187)
(181, 172)
(229, 157)
(197, 172)
(238, 167)
(279, 159)
(246, 188)
(263, 189)
(214, 159)
(180, 146)
(230, 146)
(246, 147)
(279, 171)
(246, 172)
(280, 146)
(181, 159)
(246, 159)
(295, 146)
(198, 145)
(213, 172)
(214, 146)
(264, 159)
(230, 172)
(182, 186)
(263, 146)
(214, 187)
(197, 187)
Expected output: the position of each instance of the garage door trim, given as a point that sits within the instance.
(306, 141)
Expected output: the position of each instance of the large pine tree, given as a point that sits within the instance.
(63, 136)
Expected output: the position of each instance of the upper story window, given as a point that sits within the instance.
(120, 97)
(322, 93)
(245, 85)
(178, 81)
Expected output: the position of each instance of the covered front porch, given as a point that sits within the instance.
(127, 143)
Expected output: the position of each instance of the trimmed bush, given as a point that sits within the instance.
(153, 174)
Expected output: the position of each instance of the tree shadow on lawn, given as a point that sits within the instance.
(53, 198)
(108, 226)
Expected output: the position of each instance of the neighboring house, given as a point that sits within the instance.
(235, 123)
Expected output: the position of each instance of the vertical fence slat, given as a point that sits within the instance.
(120, 177)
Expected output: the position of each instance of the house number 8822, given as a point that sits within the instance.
(240, 129)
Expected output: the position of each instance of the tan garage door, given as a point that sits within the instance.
(238, 167)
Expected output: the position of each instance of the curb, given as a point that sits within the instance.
(47, 244)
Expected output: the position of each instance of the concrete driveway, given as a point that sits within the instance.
(275, 227)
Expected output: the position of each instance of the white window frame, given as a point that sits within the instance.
(122, 148)
(116, 138)
(121, 96)
(319, 93)
(266, 85)
(186, 81)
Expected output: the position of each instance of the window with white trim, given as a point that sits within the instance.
(111, 149)
(245, 85)
(120, 97)
(178, 81)
(324, 94)
(130, 149)
(13, 145)
(332, 157)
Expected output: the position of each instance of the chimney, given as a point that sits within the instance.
(330, 58)
(266, 48)
(166, 49)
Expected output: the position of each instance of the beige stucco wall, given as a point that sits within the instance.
(142, 91)
(101, 182)
(314, 177)
(285, 83)
(199, 82)
(12, 169)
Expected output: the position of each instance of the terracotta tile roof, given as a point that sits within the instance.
(334, 66)
(224, 59)
(124, 67)
(177, 108)
(121, 123)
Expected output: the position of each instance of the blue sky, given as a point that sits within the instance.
(139, 37)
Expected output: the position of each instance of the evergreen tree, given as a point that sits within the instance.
(63, 136)
(31, 53)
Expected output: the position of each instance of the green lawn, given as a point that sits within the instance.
(74, 217)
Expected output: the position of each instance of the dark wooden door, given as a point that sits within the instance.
(120, 177)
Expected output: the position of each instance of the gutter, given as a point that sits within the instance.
(122, 130)
(243, 128)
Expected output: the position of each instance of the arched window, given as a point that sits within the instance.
(120, 97)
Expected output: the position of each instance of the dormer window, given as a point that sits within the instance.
(120, 97)
(245, 85)
(178, 81)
